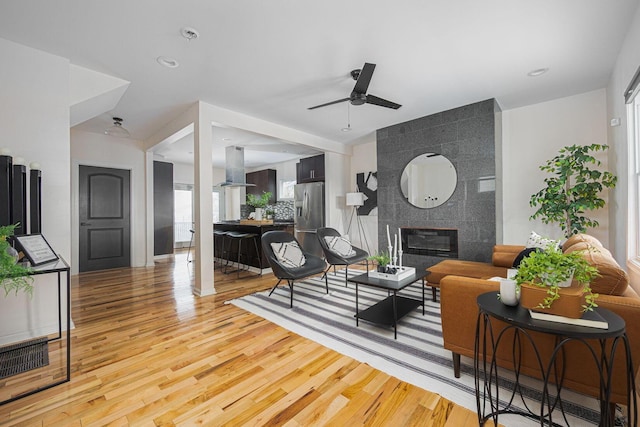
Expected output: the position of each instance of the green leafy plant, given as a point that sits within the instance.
(573, 189)
(550, 267)
(13, 277)
(381, 258)
(259, 201)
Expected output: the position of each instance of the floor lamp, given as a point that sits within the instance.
(355, 200)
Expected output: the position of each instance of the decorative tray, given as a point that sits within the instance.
(402, 273)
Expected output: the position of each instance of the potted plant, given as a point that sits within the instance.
(543, 277)
(259, 202)
(14, 277)
(382, 259)
(573, 189)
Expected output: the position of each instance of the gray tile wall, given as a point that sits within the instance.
(466, 136)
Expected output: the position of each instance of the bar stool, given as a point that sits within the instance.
(192, 231)
(239, 237)
(219, 245)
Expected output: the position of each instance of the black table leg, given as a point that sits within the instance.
(423, 296)
(357, 318)
(395, 317)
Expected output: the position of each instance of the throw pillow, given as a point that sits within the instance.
(340, 246)
(537, 241)
(289, 254)
(522, 255)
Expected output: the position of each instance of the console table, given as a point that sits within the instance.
(63, 357)
(486, 370)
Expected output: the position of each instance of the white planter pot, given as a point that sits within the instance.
(259, 212)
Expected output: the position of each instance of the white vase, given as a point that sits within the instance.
(509, 292)
(258, 216)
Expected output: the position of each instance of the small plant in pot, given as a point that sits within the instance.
(551, 270)
(382, 259)
(259, 202)
(14, 277)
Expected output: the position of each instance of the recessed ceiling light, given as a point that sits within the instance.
(537, 72)
(189, 33)
(167, 62)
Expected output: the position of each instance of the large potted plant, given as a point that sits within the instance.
(574, 187)
(259, 203)
(546, 278)
(14, 277)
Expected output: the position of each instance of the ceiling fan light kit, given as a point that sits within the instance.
(359, 95)
(117, 129)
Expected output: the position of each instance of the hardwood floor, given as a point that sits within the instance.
(147, 352)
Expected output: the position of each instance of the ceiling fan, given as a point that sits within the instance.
(359, 93)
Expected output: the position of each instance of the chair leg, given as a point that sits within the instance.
(258, 254)
(291, 293)
(274, 288)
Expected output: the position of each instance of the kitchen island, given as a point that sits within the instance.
(248, 249)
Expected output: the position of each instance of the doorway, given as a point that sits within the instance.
(105, 218)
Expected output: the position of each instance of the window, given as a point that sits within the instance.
(216, 205)
(633, 135)
(182, 213)
(634, 188)
(286, 189)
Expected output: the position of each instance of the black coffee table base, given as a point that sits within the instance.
(394, 307)
(385, 313)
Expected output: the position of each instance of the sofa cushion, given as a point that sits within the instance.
(612, 279)
(504, 255)
(457, 267)
(580, 238)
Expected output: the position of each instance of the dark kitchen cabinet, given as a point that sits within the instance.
(311, 169)
(264, 180)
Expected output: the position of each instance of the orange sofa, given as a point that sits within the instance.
(460, 283)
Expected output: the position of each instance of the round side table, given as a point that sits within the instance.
(518, 320)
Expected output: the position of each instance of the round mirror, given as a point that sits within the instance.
(428, 180)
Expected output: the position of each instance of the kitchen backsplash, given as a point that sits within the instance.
(283, 210)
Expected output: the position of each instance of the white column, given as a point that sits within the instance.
(203, 204)
(149, 208)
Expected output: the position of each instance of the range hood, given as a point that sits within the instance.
(234, 168)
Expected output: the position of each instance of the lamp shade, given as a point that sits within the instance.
(355, 199)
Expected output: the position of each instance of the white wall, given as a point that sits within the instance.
(183, 174)
(364, 159)
(34, 119)
(34, 122)
(532, 135)
(620, 154)
(93, 149)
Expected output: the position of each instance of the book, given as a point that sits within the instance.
(590, 319)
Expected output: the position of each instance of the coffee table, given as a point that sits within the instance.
(394, 307)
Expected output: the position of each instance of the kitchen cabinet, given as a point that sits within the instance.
(310, 169)
(264, 180)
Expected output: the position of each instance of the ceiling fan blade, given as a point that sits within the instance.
(371, 99)
(364, 78)
(329, 103)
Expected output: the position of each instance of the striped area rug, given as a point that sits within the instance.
(417, 356)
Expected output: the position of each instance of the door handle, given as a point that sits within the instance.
(85, 223)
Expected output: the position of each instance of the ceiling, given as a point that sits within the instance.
(274, 59)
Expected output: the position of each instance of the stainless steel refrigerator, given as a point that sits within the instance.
(309, 215)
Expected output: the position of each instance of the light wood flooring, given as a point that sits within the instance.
(147, 352)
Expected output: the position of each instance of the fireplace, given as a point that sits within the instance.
(439, 242)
